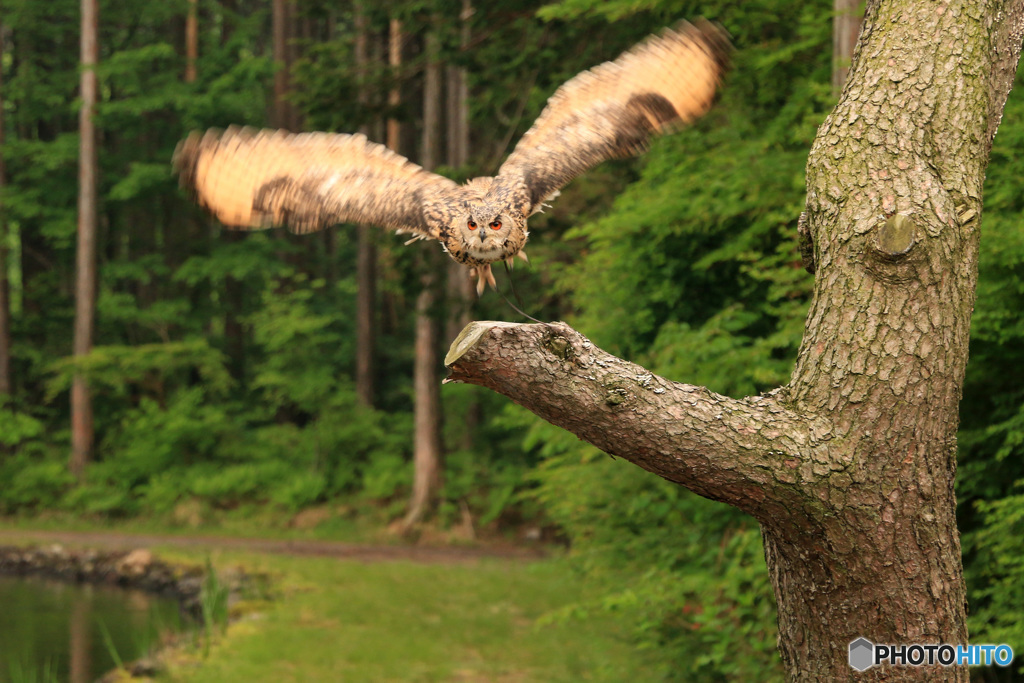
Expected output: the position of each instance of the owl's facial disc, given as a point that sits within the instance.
(486, 231)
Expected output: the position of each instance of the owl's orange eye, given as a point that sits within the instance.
(472, 225)
(496, 225)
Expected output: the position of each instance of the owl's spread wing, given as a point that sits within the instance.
(614, 109)
(308, 181)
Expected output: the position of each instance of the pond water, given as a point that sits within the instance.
(55, 631)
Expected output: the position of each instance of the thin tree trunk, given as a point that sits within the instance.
(427, 452)
(427, 449)
(845, 30)
(330, 237)
(281, 29)
(461, 294)
(85, 289)
(395, 39)
(295, 29)
(5, 301)
(458, 97)
(366, 258)
(850, 467)
(431, 154)
(191, 40)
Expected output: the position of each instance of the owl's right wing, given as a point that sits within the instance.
(260, 178)
(614, 109)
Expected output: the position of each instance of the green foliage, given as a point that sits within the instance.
(28, 483)
(120, 368)
(301, 347)
(991, 455)
(17, 428)
(481, 485)
(384, 476)
(698, 591)
(995, 570)
(299, 490)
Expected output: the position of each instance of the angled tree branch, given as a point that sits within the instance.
(754, 453)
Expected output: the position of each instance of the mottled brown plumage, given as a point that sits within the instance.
(258, 179)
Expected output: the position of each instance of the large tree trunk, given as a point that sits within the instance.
(850, 467)
(85, 285)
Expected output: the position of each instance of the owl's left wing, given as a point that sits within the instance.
(614, 109)
(260, 178)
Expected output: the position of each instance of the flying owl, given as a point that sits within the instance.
(252, 179)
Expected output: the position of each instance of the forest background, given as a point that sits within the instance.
(228, 376)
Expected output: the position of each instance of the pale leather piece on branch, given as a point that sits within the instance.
(469, 336)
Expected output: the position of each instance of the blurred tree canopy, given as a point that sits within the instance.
(223, 368)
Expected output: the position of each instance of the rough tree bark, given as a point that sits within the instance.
(850, 467)
(85, 284)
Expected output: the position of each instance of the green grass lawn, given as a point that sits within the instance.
(348, 621)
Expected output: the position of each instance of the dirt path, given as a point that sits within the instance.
(113, 540)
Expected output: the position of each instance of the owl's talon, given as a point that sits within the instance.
(484, 276)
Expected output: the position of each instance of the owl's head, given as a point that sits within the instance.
(488, 232)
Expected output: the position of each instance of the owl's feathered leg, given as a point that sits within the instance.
(484, 277)
(511, 260)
